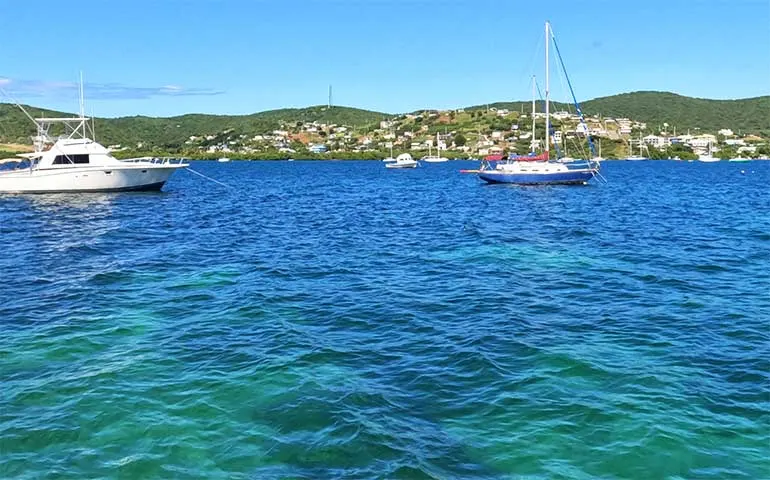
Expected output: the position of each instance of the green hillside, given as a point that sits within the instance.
(174, 131)
(751, 115)
(747, 115)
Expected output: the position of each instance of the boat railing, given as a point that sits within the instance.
(156, 160)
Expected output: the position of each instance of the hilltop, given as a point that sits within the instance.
(747, 115)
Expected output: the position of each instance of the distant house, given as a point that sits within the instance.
(726, 132)
(598, 132)
(656, 141)
(703, 141)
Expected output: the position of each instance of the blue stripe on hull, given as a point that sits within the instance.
(150, 187)
(560, 178)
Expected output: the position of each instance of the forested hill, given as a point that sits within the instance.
(750, 115)
(174, 131)
(747, 115)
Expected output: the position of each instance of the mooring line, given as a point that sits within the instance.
(207, 177)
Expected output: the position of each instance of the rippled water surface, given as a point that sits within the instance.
(341, 320)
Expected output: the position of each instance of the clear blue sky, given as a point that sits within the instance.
(168, 57)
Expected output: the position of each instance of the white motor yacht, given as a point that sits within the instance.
(75, 163)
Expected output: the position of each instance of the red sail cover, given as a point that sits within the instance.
(532, 158)
(528, 158)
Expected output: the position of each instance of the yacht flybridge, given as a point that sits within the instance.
(75, 163)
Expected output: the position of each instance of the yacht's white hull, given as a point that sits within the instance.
(87, 179)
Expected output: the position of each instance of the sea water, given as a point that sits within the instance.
(341, 320)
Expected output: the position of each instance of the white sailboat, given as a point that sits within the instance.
(540, 169)
(708, 157)
(76, 163)
(631, 150)
(435, 158)
(389, 159)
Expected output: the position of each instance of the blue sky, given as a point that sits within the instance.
(169, 57)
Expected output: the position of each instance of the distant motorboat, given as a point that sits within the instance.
(739, 160)
(223, 160)
(635, 157)
(403, 161)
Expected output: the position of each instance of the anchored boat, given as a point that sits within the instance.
(76, 163)
(403, 161)
(540, 169)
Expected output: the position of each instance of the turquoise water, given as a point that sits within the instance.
(339, 320)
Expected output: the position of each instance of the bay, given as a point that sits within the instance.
(341, 320)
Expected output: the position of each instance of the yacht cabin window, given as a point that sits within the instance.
(68, 159)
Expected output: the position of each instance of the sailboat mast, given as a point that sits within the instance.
(547, 95)
(534, 86)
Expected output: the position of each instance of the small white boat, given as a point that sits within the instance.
(739, 160)
(223, 160)
(403, 161)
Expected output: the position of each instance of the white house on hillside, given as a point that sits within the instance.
(726, 132)
(656, 141)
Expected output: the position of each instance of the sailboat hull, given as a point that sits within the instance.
(556, 178)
